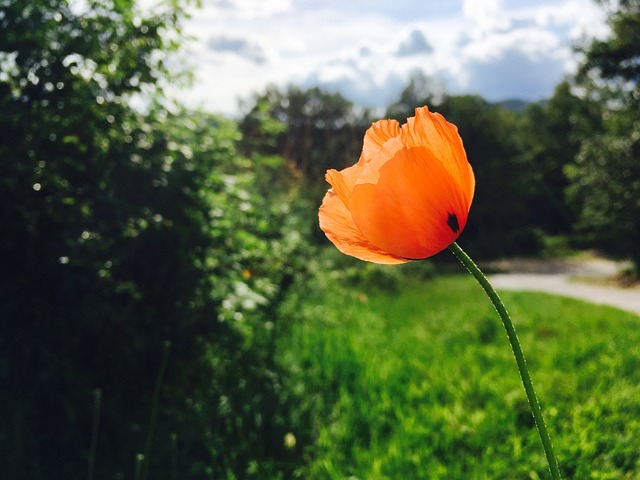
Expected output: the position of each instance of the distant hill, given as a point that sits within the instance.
(514, 104)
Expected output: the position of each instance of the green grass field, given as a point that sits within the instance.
(419, 382)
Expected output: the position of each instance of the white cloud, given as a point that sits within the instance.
(484, 16)
(368, 49)
(572, 18)
(247, 8)
(532, 42)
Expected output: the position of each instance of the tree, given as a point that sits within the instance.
(618, 57)
(312, 129)
(317, 130)
(604, 179)
(140, 268)
(552, 134)
(605, 182)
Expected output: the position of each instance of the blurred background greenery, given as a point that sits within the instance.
(169, 310)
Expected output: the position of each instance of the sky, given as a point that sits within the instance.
(368, 49)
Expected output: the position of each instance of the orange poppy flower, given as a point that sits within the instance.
(407, 198)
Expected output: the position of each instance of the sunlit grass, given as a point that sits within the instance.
(419, 382)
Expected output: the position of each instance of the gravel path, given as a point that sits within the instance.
(559, 277)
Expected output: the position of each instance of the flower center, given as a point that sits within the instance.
(452, 221)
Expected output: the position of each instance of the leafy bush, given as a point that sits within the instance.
(143, 258)
(605, 185)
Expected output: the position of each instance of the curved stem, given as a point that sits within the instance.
(517, 352)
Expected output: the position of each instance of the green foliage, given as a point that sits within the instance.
(418, 384)
(159, 313)
(552, 134)
(365, 275)
(143, 260)
(618, 57)
(606, 184)
(604, 180)
(312, 129)
(316, 130)
(55, 54)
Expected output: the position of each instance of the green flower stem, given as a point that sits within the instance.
(517, 352)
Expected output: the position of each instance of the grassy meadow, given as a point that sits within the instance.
(412, 376)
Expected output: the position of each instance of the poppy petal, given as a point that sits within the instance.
(343, 181)
(406, 204)
(376, 136)
(338, 225)
(432, 131)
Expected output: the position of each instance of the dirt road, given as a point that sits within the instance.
(563, 277)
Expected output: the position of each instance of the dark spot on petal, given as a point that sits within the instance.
(452, 221)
